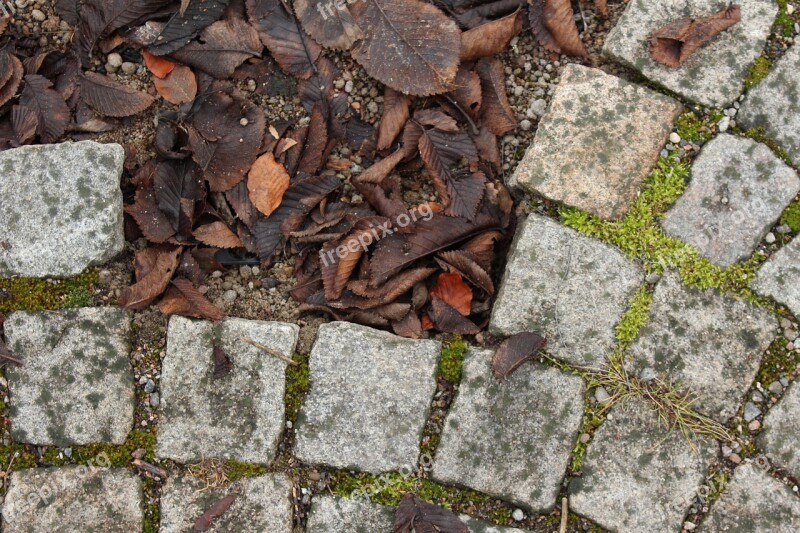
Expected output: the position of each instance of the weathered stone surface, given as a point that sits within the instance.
(262, 504)
(779, 277)
(511, 439)
(738, 189)
(637, 475)
(598, 141)
(774, 104)
(240, 415)
(781, 430)
(339, 515)
(73, 498)
(754, 502)
(714, 75)
(709, 343)
(369, 399)
(76, 383)
(476, 526)
(571, 288)
(60, 208)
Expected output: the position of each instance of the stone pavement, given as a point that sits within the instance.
(712, 330)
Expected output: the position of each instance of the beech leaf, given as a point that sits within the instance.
(327, 24)
(514, 351)
(183, 298)
(221, 48)
(395, 116)
(491, 38)
(266, 183)
(110, 98)
(553, 24)
(674, 43)
(51, 111)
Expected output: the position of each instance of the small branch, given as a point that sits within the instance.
(271, 352)
(147, 467)
(564, 515)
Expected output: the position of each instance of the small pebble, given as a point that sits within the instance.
(38, 15)
(518, 515)
(525, 124)
(751, 412)
(150, 386)
(128, 68)
(783, 229)
(734, 458)
(790, 334)
(723, 124)
(244, 122)
(601, 395)
(585, 438)
(230, 295)
(689, 526)
(755, 425)
(776, 387)
(674, 138)
(115, 60)
(155, 399)
(770, 238)
(348, 86)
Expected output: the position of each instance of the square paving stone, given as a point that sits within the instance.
(369, 399)
(597, 142)
(511, 439)
(774, 104)
(714, 75)
(779, 277)
(637, 475)
(239, 415)
(71, 499)
(708, 343)
(60, 208)
(571, 288)
(339, 515)
(754, 502)
(76, 384)
(738, 190)
(262, 504)
(779, 440)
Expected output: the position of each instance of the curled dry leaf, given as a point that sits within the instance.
(12, 72)
(553, 24)
(181, 28)
(221, 48)
(381, 170)
(154, 269)
(178, 87)
(514, 351)
(409, 45)
(414, 514)
(468, 92)
(602, 8)
(329, 25)
(204, 521)
(182, 298)
(51, 111)
(158, 66)
(111, 98)
(266, 184)
(395, 116)
(491, 38)
(450, 288)
(674, 43)
(496, 112)
(217, 234)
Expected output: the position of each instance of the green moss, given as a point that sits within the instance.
(791, 217)
(37, 294)
(152, 512)
(692, 128)
(452, 359)
(297, 385)
(592, 419)
(777, 362)
(759, 135)
(639, 235)
(501, 515)
(758, 71)
(636, 316)
(236, 470)
(783, 22)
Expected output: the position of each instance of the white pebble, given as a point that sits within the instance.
(674, 138)
(770, 237)
(348, 86)
(789, 9)
(128, 68)
(244, 122)
(525, 124)
(115, 60)
(724, 124)
(518, 515)
(38, 15)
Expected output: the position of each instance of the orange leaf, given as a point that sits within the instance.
(267, 182)
(427, 323)
(159, 66)
(452, 290)
(217, 234)
(179, 87)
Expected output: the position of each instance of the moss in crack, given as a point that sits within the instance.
(297, 385)
(690, 127)
(758, 72)
(791, 216)
(777, 362)
(783, 22)
(592, 419)
(152, 511)
(760, 135)
(640, 236)
(18, 294)
(452, 359)
(635, 317)
(236, 470)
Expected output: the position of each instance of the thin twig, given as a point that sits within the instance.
(147, 467)
(270, 351)
(564, 515)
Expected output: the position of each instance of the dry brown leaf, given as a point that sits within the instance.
(448, 319)
(328, 24)
(496, 112)
(602, 8)
(179, 86)
(451, 289)
(674, 43)
(217, 234)
(13, 71)
(468, 92)
(514, 351)
(160, 67)
(380, 170)
(491, 38)
(553, 24)
(154, 270)
(182, 298)
(267, 182)
(111, 98)
(395, 116)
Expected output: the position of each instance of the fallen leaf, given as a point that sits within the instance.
(12, 74)
(516, 350)
(602, 7)
(266, 184)
(414, 514)
(152, 222)
(553, 24)
(51, 111)
(221, 48)
(409, 327)
(409, 45)
(24, 123)
(222, 367)
(217, 234)
(319, 86)
(160, 67)
(181, 28)
(465, 263)
(674, 43)
(182, 298)
(440, 151)
(329, 25)
(466, 190)
(110, 98)
(395, 116)
(491, 38)
(177, 186)
(154, 270)
(468, 92)
(451, 289)
(496, 112)
(381, 169)
(178, 87)
(340, 258)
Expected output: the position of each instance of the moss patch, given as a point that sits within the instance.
(690, 127)
(777, 362)
(791, 217)
(297, 385)
(639, 235)
(636, 316)
(452, 359)
(783, 22)
(26, 294)
(235, 470)
(758, 72)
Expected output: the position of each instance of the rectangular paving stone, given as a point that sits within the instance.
(637, 475)
(779, 277)
(597, 143)
(738, 190)
(369, 399)
(511, 439)
(340, 515)
(714, 75)
(71, 499)
(754, 502)
(240, 415)
(76, 384)
(571, 288)
(263, 504)
(708, 343)
(774, 104)
(779, 439)
(60, 208)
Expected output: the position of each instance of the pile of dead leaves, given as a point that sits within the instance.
(225, 179)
